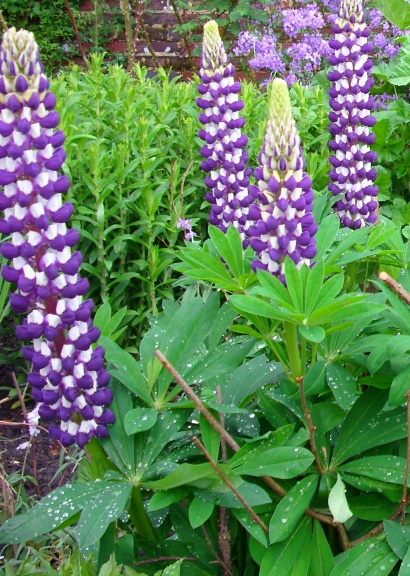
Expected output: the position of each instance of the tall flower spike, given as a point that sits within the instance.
(224, 149)
(352, 174)
(284, 223)
(68, 378)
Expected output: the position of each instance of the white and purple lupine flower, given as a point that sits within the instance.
(284, 223)
(224, 150)
(68, 378)
(353, 174)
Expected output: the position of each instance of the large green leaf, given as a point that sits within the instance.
(58, 507)
(291, 557)
(366, 426)
(373, 507)
(230, 248)
(99, 511)
(291, 508)
(282, 462)
(199, 511)
(386, 468)
(369, 558)
(185, 474)
(398, 537)
(399, 388)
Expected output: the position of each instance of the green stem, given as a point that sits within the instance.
(303, 354)
(314, 354)
(139, 516)
(292, 347)
(351, 272)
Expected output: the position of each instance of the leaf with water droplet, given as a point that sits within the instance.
(338, 504)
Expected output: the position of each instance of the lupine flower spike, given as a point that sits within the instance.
(352, 159)
(284, 223)
(68, 378)
(224, 149)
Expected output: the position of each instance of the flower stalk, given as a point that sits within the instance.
(352, 174)
(68, 378)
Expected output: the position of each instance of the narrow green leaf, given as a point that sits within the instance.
(405, 565)
(291, 508)
(326, 235)
(271, 440)
(199, 511)
(258, 307)
(313, 286)
(229, 246)
(398, 537)
(127, 369)
(387, 468)
(291, 557)
(163, 499)
(139, 420)
(312, 333)
(399, 388)
(274, 288)
(372, 507)
(184, 474)
(342, 385)
(282, 462)
(321, 556)
(366, 426)
(294, 284)
(315, 379)
(366, 558)
(246, 379)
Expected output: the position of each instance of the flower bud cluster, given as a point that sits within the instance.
(352, 172)
(283, 221)
(68, 378)
(225, 157)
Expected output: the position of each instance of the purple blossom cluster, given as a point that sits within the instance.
(301, 53)
(225, 156)
(283, 222)
(305, 18)
(68, 378)
(352, 175)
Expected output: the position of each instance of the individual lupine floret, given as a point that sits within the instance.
(68, 378)
(224, 150)
(284, 223)
(353, 174)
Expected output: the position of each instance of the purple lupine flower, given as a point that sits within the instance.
(353, 174)
(68, 378)
(283, 221)
(224, 150)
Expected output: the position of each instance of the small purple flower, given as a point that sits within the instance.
(225, 156)
(352, 160)
(186, 224)
(283, 223)
(68, 379)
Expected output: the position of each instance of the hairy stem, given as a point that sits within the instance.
(292, 347)
(395, 286)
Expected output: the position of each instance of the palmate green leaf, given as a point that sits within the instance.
(256, 531)
(366, 426)
(274, 289)
(398, 537)
(351, 237)
(387, 468)
(313, 286)
(366, 558)
(221, 323)
(295, 284)
(56, 508)
(199, 511)
(281, 462)
(291, 508)
(291, 557)
(99, 511)
(258, 307)
(321, 557)
(201, 265)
